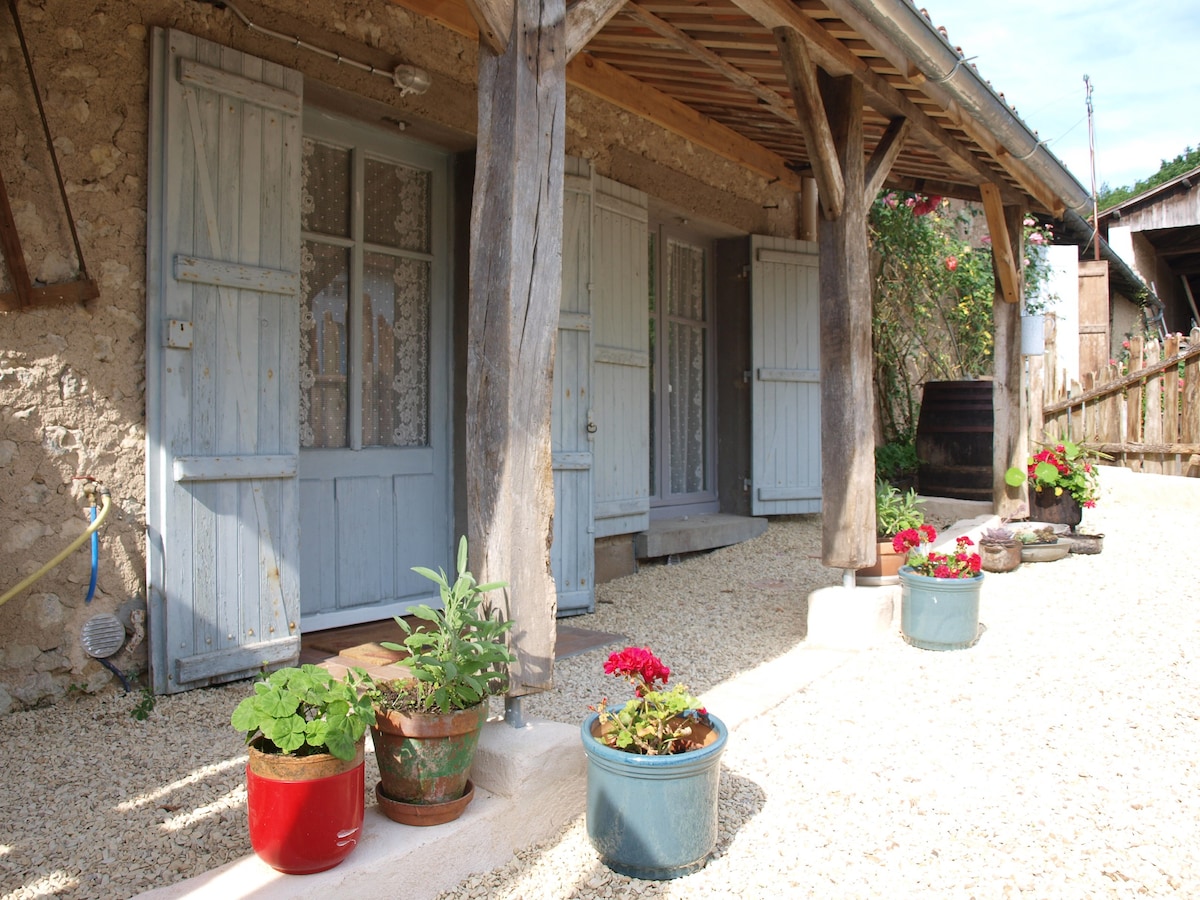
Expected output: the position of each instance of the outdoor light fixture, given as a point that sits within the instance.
(411, 80)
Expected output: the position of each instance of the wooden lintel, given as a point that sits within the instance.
(494, 19)
(886, 151)
(1002, 249)
(801, 75)
(585, 18)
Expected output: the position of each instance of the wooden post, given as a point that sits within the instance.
(516, 282)
(847, 394)
(1010, 405)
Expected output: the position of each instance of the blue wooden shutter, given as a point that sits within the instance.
(621, 359)
(222, 338)
(786, 393)
(572, 556)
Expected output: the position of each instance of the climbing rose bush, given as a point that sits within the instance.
(655, 722)
(962, 563)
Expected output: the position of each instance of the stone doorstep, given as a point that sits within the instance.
(530, 782)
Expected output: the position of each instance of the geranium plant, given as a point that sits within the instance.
(1062, 468)
(963, 562)
(655, 722)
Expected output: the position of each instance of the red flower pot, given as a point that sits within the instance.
(305, 812)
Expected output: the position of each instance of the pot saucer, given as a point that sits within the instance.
(423, 813)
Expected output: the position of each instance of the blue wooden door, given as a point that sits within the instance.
(374, 410)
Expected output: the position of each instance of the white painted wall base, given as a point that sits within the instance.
(852, 618)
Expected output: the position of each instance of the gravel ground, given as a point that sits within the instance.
(1056, 759)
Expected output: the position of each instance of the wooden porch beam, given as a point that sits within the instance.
(886, 151)
(847, 391)
(1002, 248)
(585, 18)
(1010, 404)
(515, 285)
(836, 59)
(494, 21)
(847, 11)
(801, 75)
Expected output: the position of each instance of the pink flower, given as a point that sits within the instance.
(1036, 238)
(951, 263)
(1125, 344)
(1028, 223)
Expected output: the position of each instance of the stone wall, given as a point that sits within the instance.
(72, 378)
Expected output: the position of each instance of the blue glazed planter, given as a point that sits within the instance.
(939, 613)
(653, 817)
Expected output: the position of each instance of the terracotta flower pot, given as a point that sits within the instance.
(1000, 556)
(425, 758)
(886, 567)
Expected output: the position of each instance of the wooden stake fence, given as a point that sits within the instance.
(1147, 418)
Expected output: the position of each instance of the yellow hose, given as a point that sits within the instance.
(105, 503)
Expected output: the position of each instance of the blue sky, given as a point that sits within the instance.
(1143, 60)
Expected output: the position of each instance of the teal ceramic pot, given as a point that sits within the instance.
(653, 817)
(939, 613)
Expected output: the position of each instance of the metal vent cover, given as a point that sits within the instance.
(102, 635)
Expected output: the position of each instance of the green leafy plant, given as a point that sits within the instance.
(896, 510)
(145, 705)
(961, 563)
(896, 460)
(457, 661)
(1066, 467)
(305, 710)
(654, 722)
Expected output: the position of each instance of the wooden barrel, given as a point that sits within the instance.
(954, 440)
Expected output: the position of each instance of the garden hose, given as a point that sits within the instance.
(105, 505)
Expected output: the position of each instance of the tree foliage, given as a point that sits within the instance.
(1109, 197)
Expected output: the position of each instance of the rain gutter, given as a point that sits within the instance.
(951, 81)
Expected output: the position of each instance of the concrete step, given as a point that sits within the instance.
(689, 534)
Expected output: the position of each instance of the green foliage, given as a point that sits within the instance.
(931, 309)
(1065, 467)
(456, 661)
(306, 711)
(896, 511)
(654, 722)
(1168, 170)
(932, 293)
(895, 460)
(145, 705)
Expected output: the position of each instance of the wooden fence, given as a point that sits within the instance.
(1144, 411)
